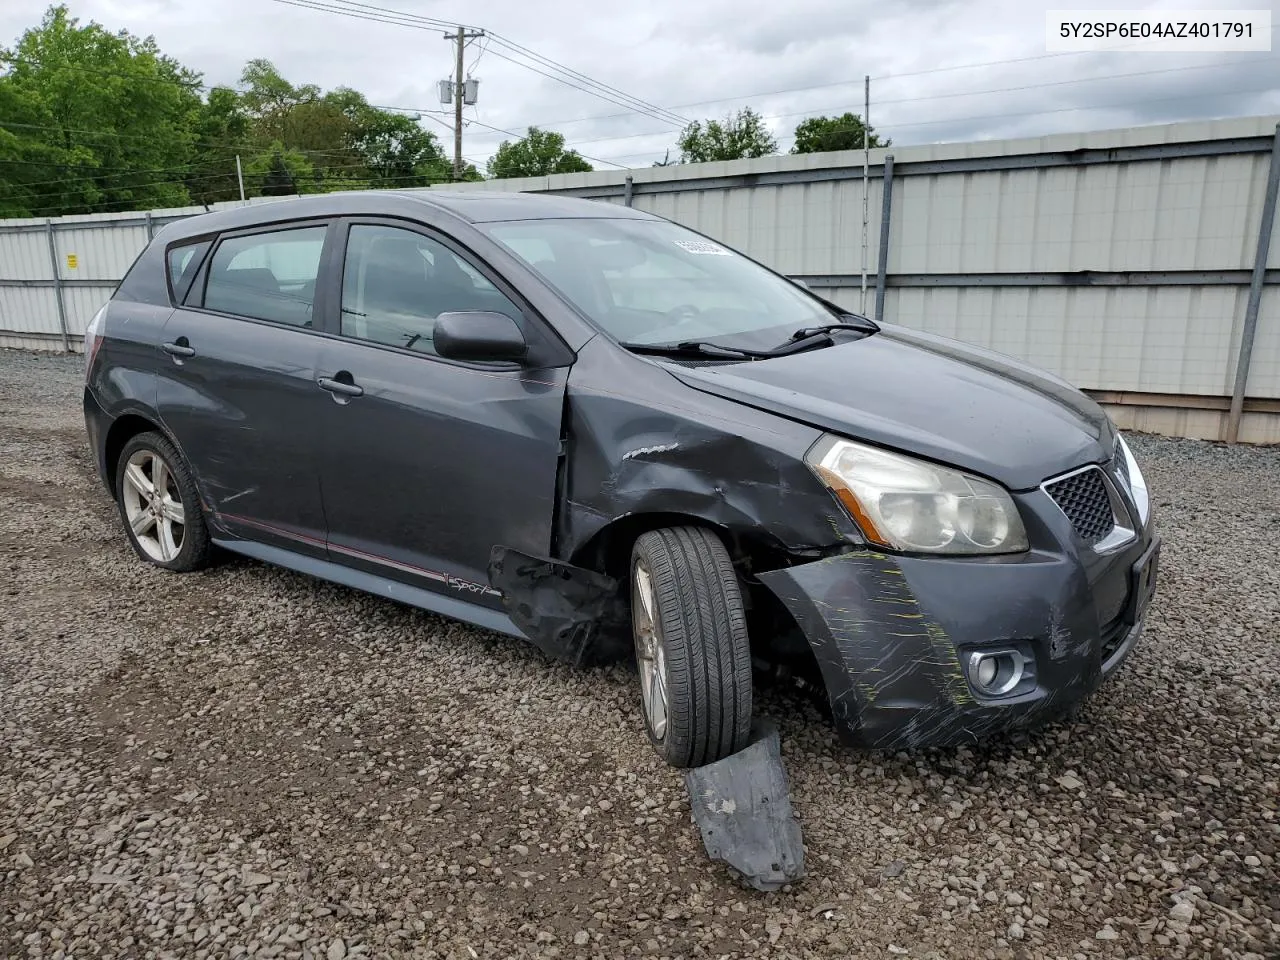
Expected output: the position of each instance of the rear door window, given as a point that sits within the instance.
(267, 276)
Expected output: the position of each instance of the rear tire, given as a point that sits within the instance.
(691, 646)
(163, 520)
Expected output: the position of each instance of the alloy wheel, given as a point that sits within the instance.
(153, 506)
(650, 651)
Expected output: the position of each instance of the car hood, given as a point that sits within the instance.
(930, 396)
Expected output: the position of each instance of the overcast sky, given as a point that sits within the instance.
(699, 60)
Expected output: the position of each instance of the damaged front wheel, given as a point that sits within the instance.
(691, 643)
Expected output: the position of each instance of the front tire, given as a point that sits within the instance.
(159, 505)
(691, 646)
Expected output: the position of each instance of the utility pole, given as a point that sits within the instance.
(866, 186)
(461, 38)
(240, 177)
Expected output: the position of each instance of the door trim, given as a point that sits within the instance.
(449, 580)
(443, 604)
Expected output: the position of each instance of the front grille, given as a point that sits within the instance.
(1083, 498)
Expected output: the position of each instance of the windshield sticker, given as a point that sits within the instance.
(702, 246)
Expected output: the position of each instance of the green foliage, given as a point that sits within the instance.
(100, 113)
(92, 120)
(845, 132)
(538, 154)
(737, 137)
(281, 172)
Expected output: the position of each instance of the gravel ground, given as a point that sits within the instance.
(246, 762)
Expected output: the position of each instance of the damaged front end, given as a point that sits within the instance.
(896, 639)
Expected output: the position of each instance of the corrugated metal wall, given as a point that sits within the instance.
(88, 257)
(1118, 259)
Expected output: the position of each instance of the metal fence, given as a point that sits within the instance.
(1134, 263)
(56, 273)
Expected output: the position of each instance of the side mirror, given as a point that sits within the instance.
(478, 335)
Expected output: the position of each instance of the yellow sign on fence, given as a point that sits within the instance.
(72, 261)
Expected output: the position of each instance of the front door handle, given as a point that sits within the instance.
(179, 348)
(341, 387)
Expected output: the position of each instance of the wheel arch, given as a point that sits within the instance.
(123, 429)
(775, 635)
(608, 549)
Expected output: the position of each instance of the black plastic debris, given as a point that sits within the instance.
(571, 613)
(743, 809)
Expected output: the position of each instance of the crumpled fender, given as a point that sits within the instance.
(659, 447)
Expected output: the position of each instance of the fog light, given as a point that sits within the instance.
(986, 673)
(994, 673)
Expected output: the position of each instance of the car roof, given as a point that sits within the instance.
(472, 206)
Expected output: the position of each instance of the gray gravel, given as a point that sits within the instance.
(246, 762)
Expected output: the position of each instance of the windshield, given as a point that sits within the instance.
(651, 282)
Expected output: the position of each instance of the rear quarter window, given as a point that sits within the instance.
(182, 263)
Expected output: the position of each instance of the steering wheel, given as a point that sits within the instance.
(683, 313)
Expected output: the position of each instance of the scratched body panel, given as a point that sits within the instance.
(638, 442)
(889, 633)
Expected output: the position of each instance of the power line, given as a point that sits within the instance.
(947, 96)
(484, 47)
(572, 77)
(999, 63)
(1097, 106)
(384, 14)
(576, 86)
(369, 182)
(674, 117)
(488, 126)
(841, 83)
(450, 24)
(228, 145)
(405, 18)
(1037, 112)
(178, 174)
(521, 136)
(94, 175)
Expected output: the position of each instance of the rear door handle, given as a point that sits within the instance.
(341, 387)
(179, 349)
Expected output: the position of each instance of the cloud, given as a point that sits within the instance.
(787, 61)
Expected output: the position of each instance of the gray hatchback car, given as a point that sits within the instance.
(585, 426)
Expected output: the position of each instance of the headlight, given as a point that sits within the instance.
(1132, 474)
(908, 504)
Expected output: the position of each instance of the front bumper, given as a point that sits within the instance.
(891, 633)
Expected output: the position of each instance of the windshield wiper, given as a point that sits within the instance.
(801, 340)
(806, 338)
(698, 348)
(863, 325)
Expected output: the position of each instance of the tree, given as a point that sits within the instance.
(538, 154)
(666, 160)
(737, 137)
(92, 120)
(107, 118)
(845, 132)
(221, 129)
(278, 181)
(393, 148)
(280, 172)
